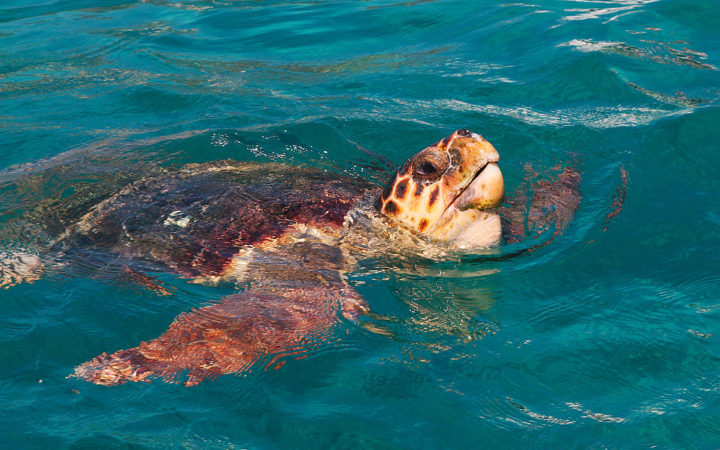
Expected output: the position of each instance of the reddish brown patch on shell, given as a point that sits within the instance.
(226, 210)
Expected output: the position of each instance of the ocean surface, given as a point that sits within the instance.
(608, 336)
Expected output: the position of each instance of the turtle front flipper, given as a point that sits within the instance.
(232, 336)
(541, 205)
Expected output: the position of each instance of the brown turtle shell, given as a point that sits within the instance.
(195, 219)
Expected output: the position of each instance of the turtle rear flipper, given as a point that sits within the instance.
(231, 336)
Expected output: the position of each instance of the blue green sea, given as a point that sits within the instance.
(607, 336)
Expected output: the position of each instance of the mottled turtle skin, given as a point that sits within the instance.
(286, 237)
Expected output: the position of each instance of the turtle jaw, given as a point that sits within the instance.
(469, 221)
(474, 179)
(485, 191)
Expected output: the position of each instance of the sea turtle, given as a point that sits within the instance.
(286, 238)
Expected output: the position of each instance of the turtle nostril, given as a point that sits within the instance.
(467, 133)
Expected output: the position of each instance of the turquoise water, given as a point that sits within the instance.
(606, 337)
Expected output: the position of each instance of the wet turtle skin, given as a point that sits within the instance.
(231, 336)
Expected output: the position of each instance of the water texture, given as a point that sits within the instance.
(607, 337)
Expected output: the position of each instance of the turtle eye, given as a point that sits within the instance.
(429, 164)
(427, 168)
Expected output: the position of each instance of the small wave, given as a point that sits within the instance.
(628, 7)
(661, 52)
(600, 117)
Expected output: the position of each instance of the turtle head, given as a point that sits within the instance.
(448, 192)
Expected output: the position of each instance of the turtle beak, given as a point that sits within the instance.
(485, 191)
(469, 221)
(484, 188)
